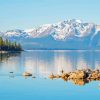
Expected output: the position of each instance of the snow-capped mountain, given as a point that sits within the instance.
(68, 34)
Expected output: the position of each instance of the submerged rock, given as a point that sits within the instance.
(33, 77)
(11, 72)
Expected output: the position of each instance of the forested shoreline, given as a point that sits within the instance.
(7, 45)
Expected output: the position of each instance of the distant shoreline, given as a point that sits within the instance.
(59, 50)
(90, 49)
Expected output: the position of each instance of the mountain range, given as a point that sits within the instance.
(68, 34)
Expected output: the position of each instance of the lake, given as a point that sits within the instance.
(41, 63)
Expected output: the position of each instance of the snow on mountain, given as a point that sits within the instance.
(41, 31)
(72, 28)
(15, 33)
(59, 31)
(69, 32)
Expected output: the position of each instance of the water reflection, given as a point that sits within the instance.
(4, 56)
(43, 63)
(9, 62)
(80, 82)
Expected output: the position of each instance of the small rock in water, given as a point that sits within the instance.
(27, 74)
(51, 76)
(33, 77)
(11, 72)
(57, 76)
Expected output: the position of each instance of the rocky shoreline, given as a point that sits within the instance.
(79, 77)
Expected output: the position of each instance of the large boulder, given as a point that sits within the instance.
(78, 75)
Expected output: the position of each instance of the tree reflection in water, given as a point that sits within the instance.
(6, 56)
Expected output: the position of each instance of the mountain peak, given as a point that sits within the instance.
(67, 30)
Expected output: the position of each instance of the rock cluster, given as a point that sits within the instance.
(79, 77)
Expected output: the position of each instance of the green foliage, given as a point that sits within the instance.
(1, 41)
(6, 45)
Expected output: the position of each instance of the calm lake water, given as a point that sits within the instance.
(41, 64)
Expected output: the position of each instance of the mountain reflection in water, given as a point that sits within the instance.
(42, 63)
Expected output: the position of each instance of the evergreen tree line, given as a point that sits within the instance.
(6, 45)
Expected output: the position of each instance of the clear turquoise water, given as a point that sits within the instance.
(41, 64)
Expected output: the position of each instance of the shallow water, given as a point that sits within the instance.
(41, 64)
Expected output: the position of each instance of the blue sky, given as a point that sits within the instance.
(24, 14)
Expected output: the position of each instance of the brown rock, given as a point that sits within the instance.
(65, 75)
(95, 75)
(72, 75)
(78, 75)
(27, 74)
(51, 76)
(58, 76)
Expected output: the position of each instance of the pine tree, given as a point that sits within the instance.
(1, 43)
(9, 46)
